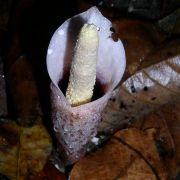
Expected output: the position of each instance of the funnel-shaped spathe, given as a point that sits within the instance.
(75, 126)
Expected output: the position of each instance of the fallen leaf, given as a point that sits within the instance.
(170, 23)
(49, 172)
(129, 153)
(24, 91)
(23, 151)
(167, 123)
(138, 41)
(171, 114)
(142, 93)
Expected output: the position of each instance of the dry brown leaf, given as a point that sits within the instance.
(49, 172)
(140, 171)
(170, 23)
(139, 38)
(130, 153)
(9, 149)
(167, 122)
(104, 164)
(23, 151)
(164, 51)
(171, 115)
(24, 91)
(142, 93)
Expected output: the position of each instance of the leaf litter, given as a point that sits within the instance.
(148, 149)
(23, 151)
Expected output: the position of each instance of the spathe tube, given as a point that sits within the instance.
(75, 126)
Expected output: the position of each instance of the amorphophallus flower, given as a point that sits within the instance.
(75, 123)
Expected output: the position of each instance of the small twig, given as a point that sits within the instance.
(140, 155)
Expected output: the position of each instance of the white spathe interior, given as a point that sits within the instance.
(111, 55)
